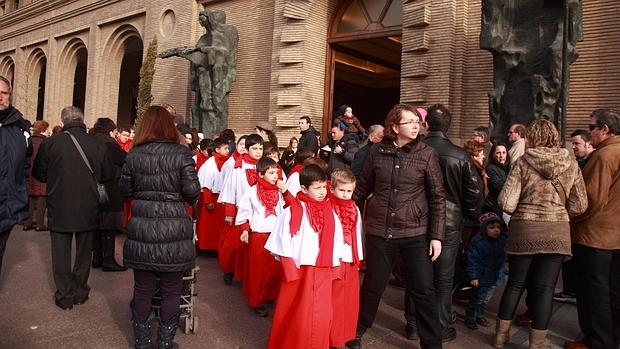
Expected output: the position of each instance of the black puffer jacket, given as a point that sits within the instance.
(160, 177)
(407, 187)
(463, 185)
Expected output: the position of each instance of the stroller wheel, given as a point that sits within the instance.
(453, 317)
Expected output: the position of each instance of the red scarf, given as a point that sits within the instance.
(322, 221)
(251, 176)
(296, 169)
(280, 173)
(244, 158)
(220, 160)
(347, 212)
(200, 160)
(268, 195)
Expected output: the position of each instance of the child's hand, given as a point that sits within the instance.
(210, 206)
(281, 186)
(475, 282)
(245, 236)
(228, 220)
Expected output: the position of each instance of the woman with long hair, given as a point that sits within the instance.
(543, 190)
(159, 174)
(37, 191)
(288, 156)
(110, 217)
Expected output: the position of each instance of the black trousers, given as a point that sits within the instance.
(4, 238)
(380, 259)
(145, 284)
(71, 283)
(598, 295)
(539, 274)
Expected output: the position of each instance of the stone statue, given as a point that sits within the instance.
(213, 70)
(533, 45)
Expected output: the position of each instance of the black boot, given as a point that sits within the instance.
(356, 343)
(166, 332)
(107, 250)
(97, 258)
(142, 331)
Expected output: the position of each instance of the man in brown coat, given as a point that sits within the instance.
(596, 238)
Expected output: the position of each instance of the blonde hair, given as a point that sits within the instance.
(542, 133)
(342, 176)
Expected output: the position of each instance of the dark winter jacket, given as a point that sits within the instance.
(36, 188)
(111, 214)
(408, 195)
(160, 177)
(350, 144)
(484, 258)
(463, 185)
(308, 140)
(359, 159)
(72, 196)
(15, 154)
(497, 177)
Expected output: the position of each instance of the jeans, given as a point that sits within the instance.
(478, 302)
(598, 295)
(539, 274)
(145, 284)
(443, 270)
(380, 258)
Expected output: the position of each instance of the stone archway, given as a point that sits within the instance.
(72, 65)
(7, 69)
(35, 84)
(124, 40)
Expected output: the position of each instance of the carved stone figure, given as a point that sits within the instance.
(533, 45)
(213, 70)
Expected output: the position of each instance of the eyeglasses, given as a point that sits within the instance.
(593, 127)
(409, 122)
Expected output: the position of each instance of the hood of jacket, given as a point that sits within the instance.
(549, 162)
(310, 129)
(10, 116)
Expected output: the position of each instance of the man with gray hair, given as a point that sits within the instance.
(72, 202)
(375, 135)
(15, 154)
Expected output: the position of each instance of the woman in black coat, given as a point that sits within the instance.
(497, 170)
(160, 176)
(110, 215)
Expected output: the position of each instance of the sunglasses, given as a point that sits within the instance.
(593, 127)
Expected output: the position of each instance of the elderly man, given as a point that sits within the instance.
(72, 201)
(516, 137)
(596, 238)
(15, 154)
(375, 135)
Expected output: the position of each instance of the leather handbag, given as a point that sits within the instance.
(104, 198)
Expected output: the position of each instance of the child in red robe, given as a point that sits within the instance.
(257, 214)
(292, 183)
(236, 184)
(346, 291)
(309, 243)
(210, 220)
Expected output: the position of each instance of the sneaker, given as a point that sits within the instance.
(449, 334)
(411, 331)
(228, 278)
(565, 297)
(471, 324)
(482, 321)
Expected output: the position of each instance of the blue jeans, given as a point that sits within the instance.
(478, 302)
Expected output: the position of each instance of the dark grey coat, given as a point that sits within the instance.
(160, 177)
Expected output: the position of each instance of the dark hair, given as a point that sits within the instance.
(609, 117)
(228, 134)
(252, 139)
(484, 130)
(585, 135)
(317, 162)
(494, 147)
(241, 138)
(438, 118)
(124, 129)
(394, 116)
(270, 148)
(271, 137)
(207, 144)
(218, 142)
(311, 174)
(302, 154)
(264, 164)
(290, 142)
(157, 125)
(307, 118)
(103, 126)
(56, 129)
(341, 110)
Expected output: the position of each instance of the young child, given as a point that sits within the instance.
(309, 243)
(230, 163)
(206, 149)
(236, 184)
(256, 216)
(484, 258)
(292, 183)
(346, 290)
(210, 220)
(345, 115)
(272, 151)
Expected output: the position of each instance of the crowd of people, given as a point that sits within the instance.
(296, 227)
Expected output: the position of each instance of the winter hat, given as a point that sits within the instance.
(487, 218)
(422, 113)
(264, 125)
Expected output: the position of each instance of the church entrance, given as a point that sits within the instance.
(364, 60)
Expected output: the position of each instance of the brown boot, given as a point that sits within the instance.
(502, 333)
(537, 339)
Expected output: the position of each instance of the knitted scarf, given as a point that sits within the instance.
(268, 195)
(322, 221)
(347, 212)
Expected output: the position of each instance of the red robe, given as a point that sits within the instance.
(209, 224)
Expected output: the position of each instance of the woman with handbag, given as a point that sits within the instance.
(544, 188)
(160, 175)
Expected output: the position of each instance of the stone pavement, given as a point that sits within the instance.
(29, 319)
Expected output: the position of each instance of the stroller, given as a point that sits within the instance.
(189, 322)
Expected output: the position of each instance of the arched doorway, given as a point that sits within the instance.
(41, 88)
(35, 84)
(7, 69)
(79, 78)
(364, 59)
(129, 81)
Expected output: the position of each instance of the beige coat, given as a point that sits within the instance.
(599, 227)
(541, 210)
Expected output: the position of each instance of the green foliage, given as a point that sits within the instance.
(145, 98)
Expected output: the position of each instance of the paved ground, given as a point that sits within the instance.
(29, 318)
